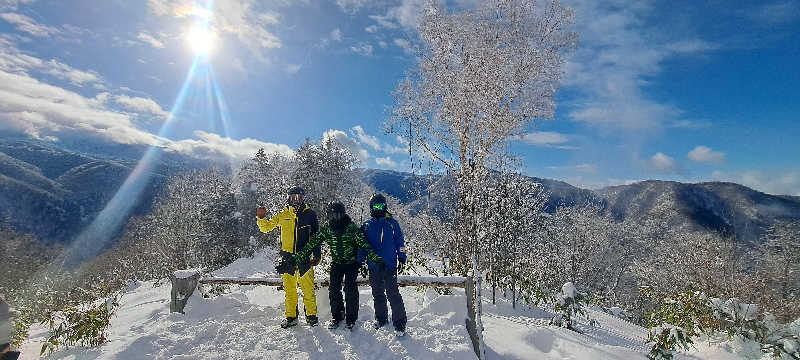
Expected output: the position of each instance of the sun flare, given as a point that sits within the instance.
(201, 39)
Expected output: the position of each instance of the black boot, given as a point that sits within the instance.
(289, 322)
(333, 324)
(312, 320)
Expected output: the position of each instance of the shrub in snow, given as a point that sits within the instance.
(570, 303)
(677, 321)
(690, 314)
(76, 326)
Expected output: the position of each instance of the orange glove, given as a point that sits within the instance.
(314, 261)
(261, 212)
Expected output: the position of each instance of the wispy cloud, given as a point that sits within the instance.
(149, 39)
(141, 105)
(547, 139)
(350, 143)
(244, 20)
(371, 28)
(215, 147)
(351, 6)
(779, 183)
(386, 161)
(775, 13)
(611, 67)
(581, 168)
(373, 142)
(293, 68)
(362, 49)
(406, 15)
(336, 34)
(28, 25)
(703, 154)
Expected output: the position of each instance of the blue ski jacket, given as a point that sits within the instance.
(385, 237)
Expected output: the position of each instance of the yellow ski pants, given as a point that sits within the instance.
(309, 294)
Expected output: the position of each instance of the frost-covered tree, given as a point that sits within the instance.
(483, 75)
(326, 171)
(779, 269)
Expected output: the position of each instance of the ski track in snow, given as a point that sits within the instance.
(244, 324)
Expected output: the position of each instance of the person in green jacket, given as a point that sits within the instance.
(344, 238)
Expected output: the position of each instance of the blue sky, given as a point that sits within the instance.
(675, 90)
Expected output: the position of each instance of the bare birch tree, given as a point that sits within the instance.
(483, 75)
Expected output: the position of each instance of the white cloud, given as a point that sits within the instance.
(351, 6)
(351, 144)
(14, 61)
(42, 110)
(336, 34)
(704, 154)
(363, 138)
(404, 44)
(663, 163)
(362, 49)
(581, 168)
(382, 44)
(141, 105)
(775, 13)
(617, 55)
(244, 20)
(13, 4)
(781, 183)
(373, 142)
(293, 68)
(386, 161)
(371, 28)
(149, 39)
(407, 15)
(547, 139)
(28, 25)
(213, 146)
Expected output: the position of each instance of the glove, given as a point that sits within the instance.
(401, 265)
(364, 271)
(261, 212)
(314, 261)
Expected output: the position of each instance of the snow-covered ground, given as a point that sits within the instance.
(244, 324)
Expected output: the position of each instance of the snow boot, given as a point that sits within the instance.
(333, 324)
(399, 332)
(312, 320)
(288, 322)
(349, 326)
(379, 324)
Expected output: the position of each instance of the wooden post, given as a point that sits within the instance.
(183, 284)
(472, 328)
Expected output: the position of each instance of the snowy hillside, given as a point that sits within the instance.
(243, 324)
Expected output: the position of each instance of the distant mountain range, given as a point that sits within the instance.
(716, 206)
(54, 190)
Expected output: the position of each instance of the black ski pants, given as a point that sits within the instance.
(348, 273)
(384, 285)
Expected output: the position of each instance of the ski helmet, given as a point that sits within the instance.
(335, 210)
(296, 195)
(377, 205)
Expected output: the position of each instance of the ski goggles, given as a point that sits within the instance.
(378, 206)
(295, 198)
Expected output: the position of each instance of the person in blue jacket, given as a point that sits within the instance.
(383, 234)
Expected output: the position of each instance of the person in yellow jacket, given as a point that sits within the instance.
(298, 224)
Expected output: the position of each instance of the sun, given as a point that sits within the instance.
(201, 39)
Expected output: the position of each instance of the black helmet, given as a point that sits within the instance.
(377, 205)
(334, 207)
(335, 211)
(296, 195)
(297, 190)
